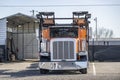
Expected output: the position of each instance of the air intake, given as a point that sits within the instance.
(63, 49)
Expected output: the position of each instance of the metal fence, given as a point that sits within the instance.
(104, 52)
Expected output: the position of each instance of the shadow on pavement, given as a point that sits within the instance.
(33, 70)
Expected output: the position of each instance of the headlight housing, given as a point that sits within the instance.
(44, 54)
(82, 53)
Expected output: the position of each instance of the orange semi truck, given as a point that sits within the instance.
(63, 46)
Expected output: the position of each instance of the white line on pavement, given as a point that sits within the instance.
(94, 70)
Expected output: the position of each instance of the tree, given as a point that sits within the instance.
(104, 33)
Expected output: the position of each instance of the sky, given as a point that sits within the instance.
(107, 16)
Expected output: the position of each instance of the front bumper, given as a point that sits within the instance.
(63, 65)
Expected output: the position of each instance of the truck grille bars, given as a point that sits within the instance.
(63, 51)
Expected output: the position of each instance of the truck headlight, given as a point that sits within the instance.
(82, 53)
(82, 56)
(44, 54)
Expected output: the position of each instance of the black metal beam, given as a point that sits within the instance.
(46, 13)
(34, 26)
(62, 18)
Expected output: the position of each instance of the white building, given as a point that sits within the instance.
(18, 34)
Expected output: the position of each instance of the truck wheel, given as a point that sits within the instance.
(83, 71)
(43, 71)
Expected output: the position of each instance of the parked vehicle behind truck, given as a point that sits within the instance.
(63, 46)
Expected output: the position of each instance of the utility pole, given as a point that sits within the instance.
(96, 27)
(33, 12)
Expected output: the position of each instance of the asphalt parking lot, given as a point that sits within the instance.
(29, 71)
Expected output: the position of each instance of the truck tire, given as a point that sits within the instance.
(83, 71)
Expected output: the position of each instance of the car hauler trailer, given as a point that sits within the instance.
(63, 46)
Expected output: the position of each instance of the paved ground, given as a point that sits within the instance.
(29, 71)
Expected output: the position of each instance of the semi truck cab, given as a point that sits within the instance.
(63, 46)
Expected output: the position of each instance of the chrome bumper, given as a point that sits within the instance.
(63, 65)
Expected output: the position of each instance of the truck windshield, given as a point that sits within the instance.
(64, 32)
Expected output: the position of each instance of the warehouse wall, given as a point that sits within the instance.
(2, 31)
(2, 39)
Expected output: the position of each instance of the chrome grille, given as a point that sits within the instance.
(63, 50)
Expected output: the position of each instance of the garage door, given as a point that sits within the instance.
(27, 45)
